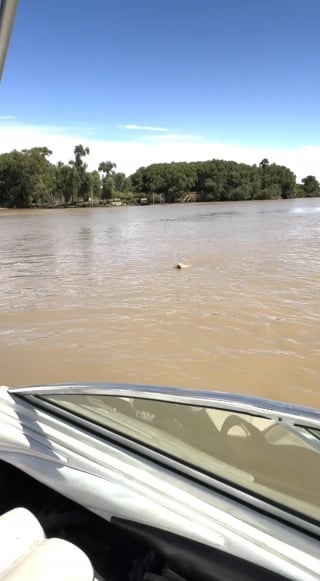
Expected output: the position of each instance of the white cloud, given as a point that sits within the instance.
(129, 155)
(143, 128)
(184, 137)
(7, 117)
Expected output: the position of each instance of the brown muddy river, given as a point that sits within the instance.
(93, 295)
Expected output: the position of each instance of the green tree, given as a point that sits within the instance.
(80, 153)
(276, 175)
(106, 167)
(310, 186)
(108, 183)
(63, 182)
(26, 178)
(14, 180)
(137, 181)
(41, 176)
(271, 192)
(75, 183)
(80, 180)
(95, 185)
(120, 183)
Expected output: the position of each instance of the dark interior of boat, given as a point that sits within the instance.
(122, 550)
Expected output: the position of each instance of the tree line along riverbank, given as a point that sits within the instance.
(29, 179)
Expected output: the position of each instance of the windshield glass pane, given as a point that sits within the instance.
(316, 433)
(270, 458)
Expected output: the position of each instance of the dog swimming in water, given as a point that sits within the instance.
(182, 265)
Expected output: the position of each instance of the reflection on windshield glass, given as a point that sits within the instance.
(270, 458)
(315, 433)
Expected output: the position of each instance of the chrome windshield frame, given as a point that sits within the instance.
(296, 419)
(7, 16)
(269, 409)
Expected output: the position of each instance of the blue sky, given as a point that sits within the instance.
(149, 80)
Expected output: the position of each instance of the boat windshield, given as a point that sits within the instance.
(269, 458)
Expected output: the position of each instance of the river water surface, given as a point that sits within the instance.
(93, 295)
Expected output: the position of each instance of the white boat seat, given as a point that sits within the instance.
(26, 554)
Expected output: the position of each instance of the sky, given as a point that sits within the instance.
(148, 81)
